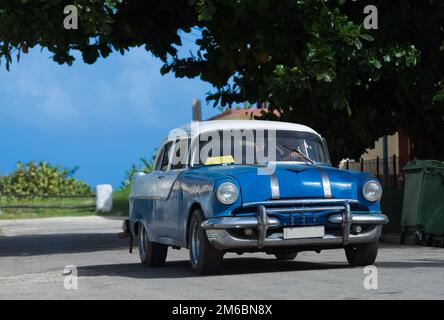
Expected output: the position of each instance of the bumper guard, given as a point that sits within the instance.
(262, 222)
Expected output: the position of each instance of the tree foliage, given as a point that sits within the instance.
(42, 179)
(104, 26)
(144, 166)
(311, 60)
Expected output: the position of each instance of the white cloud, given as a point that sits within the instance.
(119, 90)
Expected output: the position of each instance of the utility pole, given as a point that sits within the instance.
(196, 110)
(385, 168)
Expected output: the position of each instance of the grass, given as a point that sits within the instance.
(120, 202)
(120, 207)
(47, 201)
(27, 214)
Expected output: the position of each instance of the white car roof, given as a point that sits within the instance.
(195, 128)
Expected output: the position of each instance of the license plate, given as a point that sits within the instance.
(304, 232)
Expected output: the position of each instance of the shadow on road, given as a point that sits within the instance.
(33, 245)
(66, 243)
(419, 263)
(233, 266)
(181, 269)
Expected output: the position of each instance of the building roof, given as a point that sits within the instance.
(238, 114)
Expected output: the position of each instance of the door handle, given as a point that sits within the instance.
(161, 177)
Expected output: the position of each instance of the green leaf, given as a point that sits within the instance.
(366, 37)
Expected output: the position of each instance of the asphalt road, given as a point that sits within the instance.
(34, 253)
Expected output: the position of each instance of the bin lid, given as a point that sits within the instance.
(422, 164)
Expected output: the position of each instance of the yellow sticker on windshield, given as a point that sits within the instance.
(219, 160)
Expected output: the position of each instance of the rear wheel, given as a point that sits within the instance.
(205, 259)
(420, 238)
(402, 238)
(429, 240)
(151, 254)
(362, 254)
(286, 256)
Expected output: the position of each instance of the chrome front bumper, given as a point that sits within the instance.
(219, 237)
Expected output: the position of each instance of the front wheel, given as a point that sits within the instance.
(205, 259)
(151, 254)
(362, 254)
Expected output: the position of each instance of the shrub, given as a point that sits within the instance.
(42, 178)
(143, 166)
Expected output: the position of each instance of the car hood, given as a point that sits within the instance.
(292, 181)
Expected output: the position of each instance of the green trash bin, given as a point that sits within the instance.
(423, 203)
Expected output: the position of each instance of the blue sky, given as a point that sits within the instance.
(101, 117)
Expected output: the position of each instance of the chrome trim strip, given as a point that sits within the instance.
(325, 183)
(252, 222)
(145, 198)
(361, 218)
(274, 185)
(236, 223)
(305, 209)
(298, 202)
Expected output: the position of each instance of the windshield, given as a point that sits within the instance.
(259, 147)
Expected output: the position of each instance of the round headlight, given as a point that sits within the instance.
(372, 190)
(227, 193)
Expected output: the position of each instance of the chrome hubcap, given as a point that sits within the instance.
(195, 244)
(143, 241)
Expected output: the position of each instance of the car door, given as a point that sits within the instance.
(144, 192)
(167, 203)
(172, 203)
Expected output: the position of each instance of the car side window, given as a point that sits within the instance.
(158, 160)
(180, 155)
(165, 156)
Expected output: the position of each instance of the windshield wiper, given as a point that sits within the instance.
(303, 156)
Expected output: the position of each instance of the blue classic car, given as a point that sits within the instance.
(248, 186)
